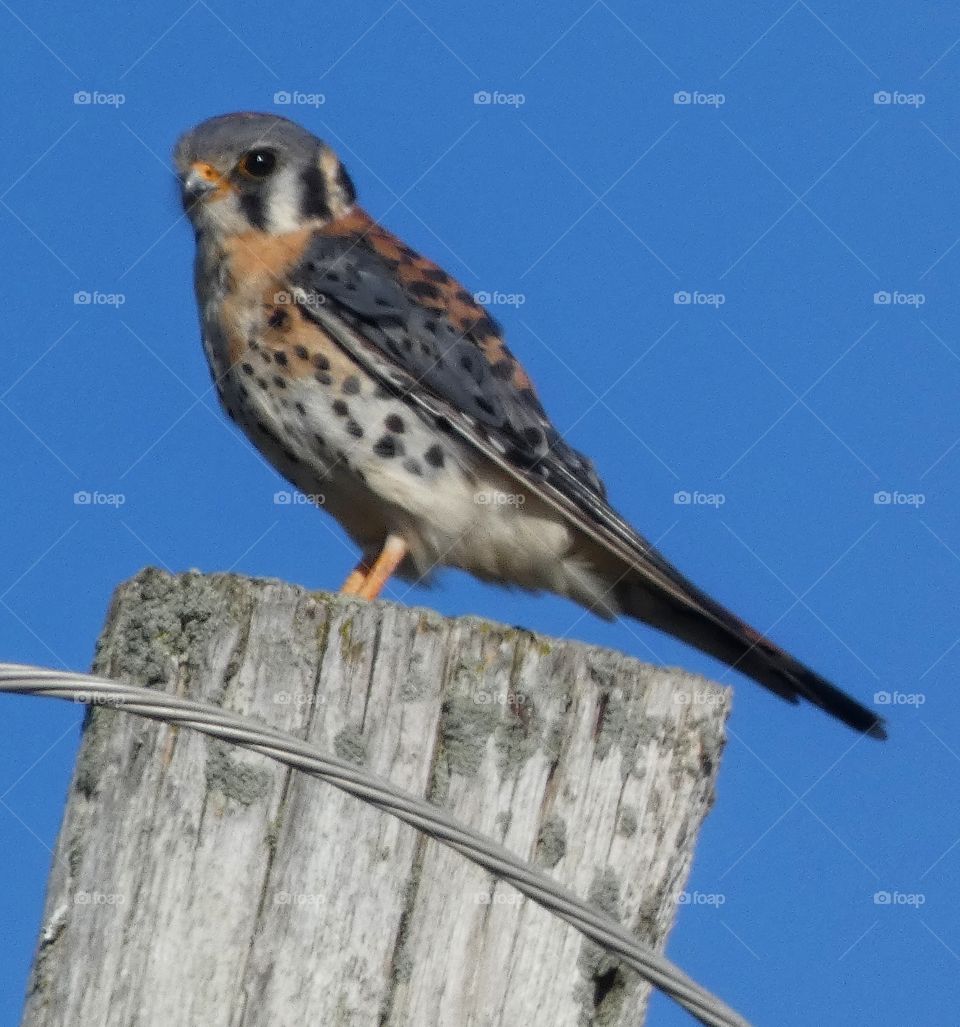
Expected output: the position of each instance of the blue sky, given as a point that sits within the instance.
(805, 200)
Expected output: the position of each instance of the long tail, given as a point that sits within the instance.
(704, 623)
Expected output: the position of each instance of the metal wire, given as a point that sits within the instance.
(433, 821)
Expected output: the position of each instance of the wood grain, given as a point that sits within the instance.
(194, 884)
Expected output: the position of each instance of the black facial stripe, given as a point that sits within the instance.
(346, 184)
(251, 203)
(314, 203)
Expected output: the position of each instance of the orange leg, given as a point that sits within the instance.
(356, 579)
(390, 558)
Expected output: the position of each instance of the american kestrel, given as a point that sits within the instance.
(366, 373)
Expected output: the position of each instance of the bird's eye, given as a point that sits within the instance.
(258, 163)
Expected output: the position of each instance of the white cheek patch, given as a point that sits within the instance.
(283, 208)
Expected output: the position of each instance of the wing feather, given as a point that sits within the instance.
(441, 369)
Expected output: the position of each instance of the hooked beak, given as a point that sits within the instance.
(202, 181)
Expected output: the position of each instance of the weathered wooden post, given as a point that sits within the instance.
(195, 884)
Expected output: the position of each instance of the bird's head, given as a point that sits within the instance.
(243, 172)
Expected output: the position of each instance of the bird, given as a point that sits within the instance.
(371, 378)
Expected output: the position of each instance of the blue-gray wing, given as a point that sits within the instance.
(430, 328)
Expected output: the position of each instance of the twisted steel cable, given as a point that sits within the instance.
(211, 720)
